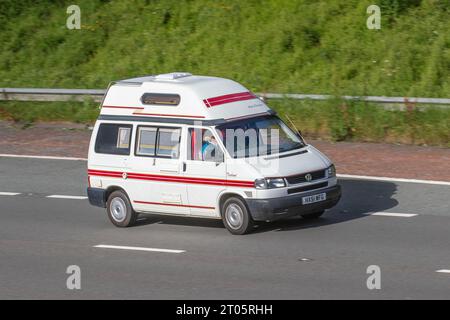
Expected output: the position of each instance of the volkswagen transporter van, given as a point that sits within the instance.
(200, 146)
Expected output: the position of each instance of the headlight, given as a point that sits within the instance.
(260, 184)
(270, 183)
(276, 183)
(331, 171)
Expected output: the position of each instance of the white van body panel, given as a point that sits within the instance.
(191, 187)
(290, 163)
(124, 98)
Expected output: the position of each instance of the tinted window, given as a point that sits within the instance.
(113, 139)
(258, 136)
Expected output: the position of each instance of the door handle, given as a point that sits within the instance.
(184, 166)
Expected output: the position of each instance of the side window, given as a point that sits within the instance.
(113, 138)
(202, 146)
(158, 141)
(168, 143)
(146, 141)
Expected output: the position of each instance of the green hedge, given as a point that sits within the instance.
(286, 46)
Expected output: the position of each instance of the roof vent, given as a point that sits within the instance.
(172, 76)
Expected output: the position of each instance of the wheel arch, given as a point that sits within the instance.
(113, 188)
(227, 195)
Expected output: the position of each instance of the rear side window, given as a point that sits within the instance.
(113, 138)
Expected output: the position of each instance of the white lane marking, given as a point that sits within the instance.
(58, 196)
(393, 214)
(351, 176)
(139, 248)
(9, 193)
(41, 157)
(443, 271)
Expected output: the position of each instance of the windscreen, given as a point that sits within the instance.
(258, 136)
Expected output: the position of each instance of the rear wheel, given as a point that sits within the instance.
(119, 210)
(236, 217)
(313, 215)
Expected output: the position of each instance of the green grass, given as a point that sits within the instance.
(302, 46)
(358, 121)
(285, 46)
(28, 112)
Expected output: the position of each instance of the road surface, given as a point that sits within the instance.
(40, 236)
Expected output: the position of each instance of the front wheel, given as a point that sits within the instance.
(314, 215)
(236, 217)
(119, 210)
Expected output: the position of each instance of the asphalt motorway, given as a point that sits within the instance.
(293, 259)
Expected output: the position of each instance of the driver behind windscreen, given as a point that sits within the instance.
(209, 148)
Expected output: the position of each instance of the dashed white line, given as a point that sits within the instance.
(9, 193)
(443, 271)
(388, 179)
(139, 248)
(392, 214)
(58, 196)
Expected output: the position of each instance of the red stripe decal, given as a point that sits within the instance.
(205, 101)
(173, 204)
(228, 98)
(190, 180)
(167, 115)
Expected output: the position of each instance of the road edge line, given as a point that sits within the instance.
(4, 155)
(345, 176)
(388, 179)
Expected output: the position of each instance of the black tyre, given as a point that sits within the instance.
(313, 215)
(119, 210)
(236, 217)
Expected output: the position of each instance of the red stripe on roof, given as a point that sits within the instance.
(228, 98)
(205, 101)
(212, 104)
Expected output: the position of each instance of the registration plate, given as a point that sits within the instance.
(314, 198)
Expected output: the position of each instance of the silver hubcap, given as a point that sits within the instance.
(234, 216)
(118, 209)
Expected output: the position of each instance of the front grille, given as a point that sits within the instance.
(308, 188)
(300, 178)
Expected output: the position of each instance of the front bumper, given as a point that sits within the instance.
(282, 207)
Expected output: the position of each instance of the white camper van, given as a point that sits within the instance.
(200, 146)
